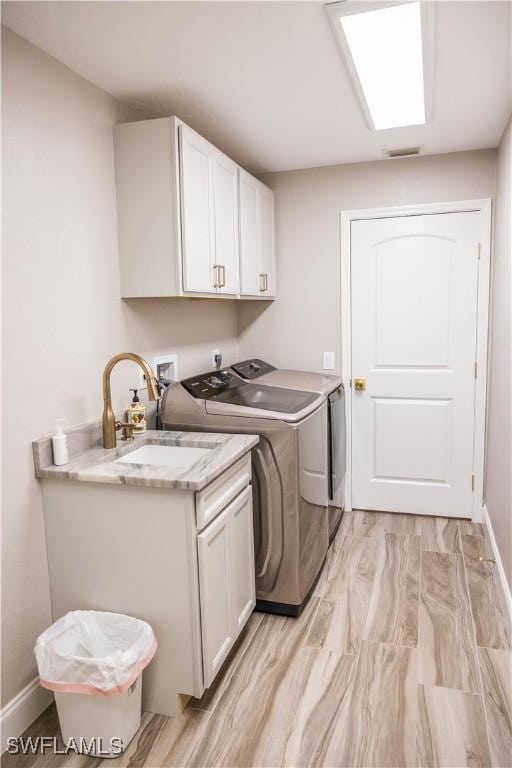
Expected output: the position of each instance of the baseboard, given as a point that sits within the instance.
(499, 564)
(22, 710)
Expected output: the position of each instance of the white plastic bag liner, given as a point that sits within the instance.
(94, 652)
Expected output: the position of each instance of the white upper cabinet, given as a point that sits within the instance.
(180, 229)
(197, 212)
(225, 185)
(266, 247)
(249, 264)
(257, 248)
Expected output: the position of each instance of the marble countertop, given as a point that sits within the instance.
(90, 462)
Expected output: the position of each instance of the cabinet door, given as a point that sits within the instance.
(197, 212)
(225, 175)
(250, 283)
(257, 251)
(242, 578)
(266, 241)
(215, 594)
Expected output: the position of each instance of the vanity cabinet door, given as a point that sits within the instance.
(242, 581)
(215, 594)
(226, 580)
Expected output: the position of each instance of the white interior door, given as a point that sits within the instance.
(414, 320)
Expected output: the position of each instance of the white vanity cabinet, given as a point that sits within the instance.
(182, 560)
(257, 240)
(226, 584)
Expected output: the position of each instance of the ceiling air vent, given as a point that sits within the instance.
(406, 152)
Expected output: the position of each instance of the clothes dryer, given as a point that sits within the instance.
(331, 387)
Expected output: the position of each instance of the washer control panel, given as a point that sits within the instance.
(253, 369)
(207, 385)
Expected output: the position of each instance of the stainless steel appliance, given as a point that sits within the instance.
(330, 386)
(290, 468)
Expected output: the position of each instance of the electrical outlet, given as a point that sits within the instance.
(328, 361)
(214, 353)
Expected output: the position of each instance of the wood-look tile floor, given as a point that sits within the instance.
(401, 658)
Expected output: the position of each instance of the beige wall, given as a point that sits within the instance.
(62, 314)
(499, 461)
(305, 320)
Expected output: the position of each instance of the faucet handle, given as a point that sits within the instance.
(127, 428)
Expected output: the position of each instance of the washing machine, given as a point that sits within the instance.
(290, 467)
(332, 388)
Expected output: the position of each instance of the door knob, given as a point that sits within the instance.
(359, 385)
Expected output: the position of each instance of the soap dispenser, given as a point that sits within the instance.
(60, 445)
(136, 413)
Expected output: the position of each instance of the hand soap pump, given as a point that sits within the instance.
(136, 413)
(60, 445)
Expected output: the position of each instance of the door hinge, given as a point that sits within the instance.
(472, 482)
(479, 249)
(476, 370)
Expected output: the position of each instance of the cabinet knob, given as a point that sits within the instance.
(263, 282)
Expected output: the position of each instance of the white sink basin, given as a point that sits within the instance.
(164, 455)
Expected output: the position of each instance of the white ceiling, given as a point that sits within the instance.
(265, 81)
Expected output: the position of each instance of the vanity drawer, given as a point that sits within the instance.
(212, 499)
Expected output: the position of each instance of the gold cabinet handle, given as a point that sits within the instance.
(219, 275)
(359, 385)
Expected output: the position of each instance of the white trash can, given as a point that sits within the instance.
(93, 661)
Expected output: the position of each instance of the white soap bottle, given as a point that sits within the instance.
(60, 445)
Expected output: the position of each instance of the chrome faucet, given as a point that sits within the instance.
(110, 425)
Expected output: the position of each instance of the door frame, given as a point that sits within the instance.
(484, 206)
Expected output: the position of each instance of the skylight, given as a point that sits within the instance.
(386, 50)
